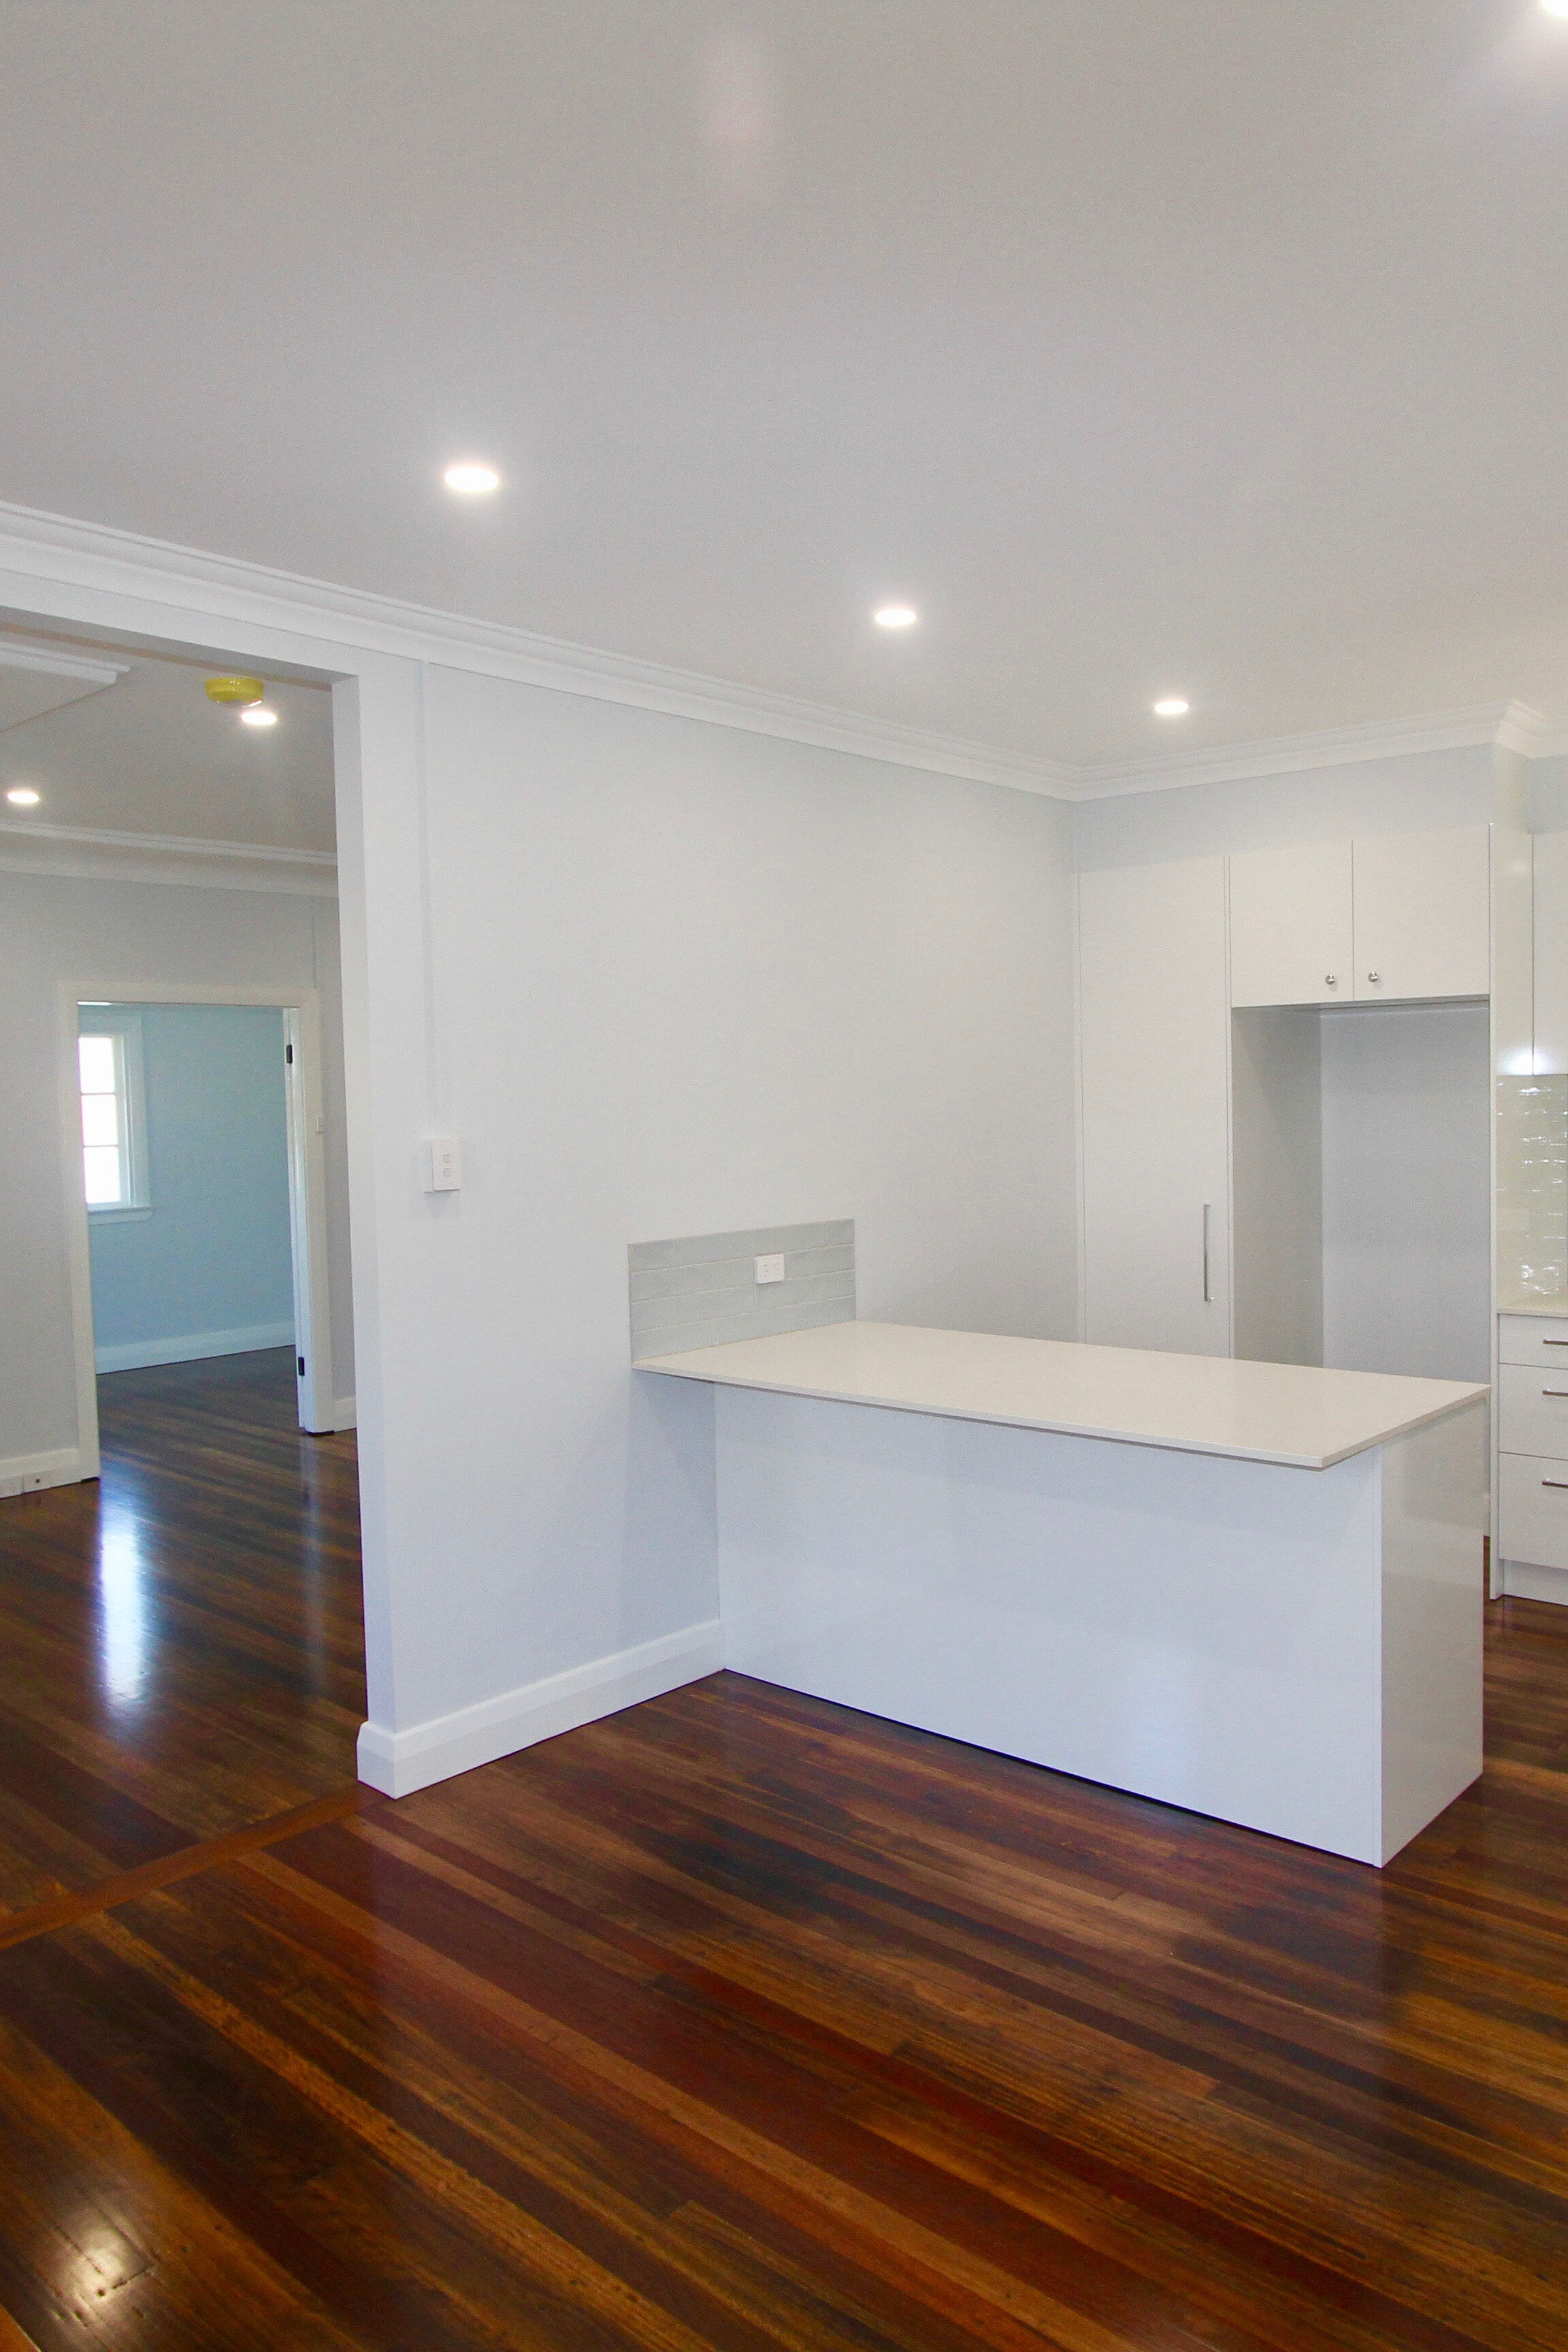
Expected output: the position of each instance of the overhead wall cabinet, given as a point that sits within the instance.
(1153, 1023)
(1394, 919)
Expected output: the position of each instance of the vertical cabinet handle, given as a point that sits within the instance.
(1208, 1295)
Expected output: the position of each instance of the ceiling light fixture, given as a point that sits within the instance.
(259, 714)
(1173, 707)
(473, 482)
(1555, 7)
(234, 690)
(895, 616)
(24, 796)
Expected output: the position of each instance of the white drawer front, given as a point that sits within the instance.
(1532, 1517)
(1533, 1339)
(1532, 1409)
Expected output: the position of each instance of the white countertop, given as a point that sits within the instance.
(1532, 1303)
(1296, 1414)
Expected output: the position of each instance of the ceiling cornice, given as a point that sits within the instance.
(80, 853)
(233, 593)
(60, 661)
(94, 555)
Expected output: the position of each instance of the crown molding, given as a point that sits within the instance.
(58, 661)
(1530, 732)
(81, 855)
(95, 556)
(237, 594)
(1331, 747)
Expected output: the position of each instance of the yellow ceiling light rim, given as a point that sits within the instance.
(235, 690)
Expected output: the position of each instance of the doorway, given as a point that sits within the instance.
(195, 1190)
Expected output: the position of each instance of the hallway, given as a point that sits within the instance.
(183, 1638)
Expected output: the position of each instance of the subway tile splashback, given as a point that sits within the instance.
(702, 1291)
(1532, 1187)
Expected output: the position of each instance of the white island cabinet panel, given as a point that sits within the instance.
(1251, 1589)
(1423, 914)
(1291, 939)
(1154, 1035)
(1295, 1651)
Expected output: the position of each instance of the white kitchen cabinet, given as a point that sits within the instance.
(1155, 1035)
(1551, 951)
(1391, 919)
(1290, 932)
(1423, 914)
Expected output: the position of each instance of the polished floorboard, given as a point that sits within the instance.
(180, 1640)
(738, 2020)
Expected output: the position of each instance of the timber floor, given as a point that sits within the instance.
(181, 1648)
(741, 2020)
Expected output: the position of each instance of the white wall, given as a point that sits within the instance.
(1419, 791)
(103, 934)
(1407, 1190)
(678, 979)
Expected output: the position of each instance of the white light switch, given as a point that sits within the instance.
(443, 1164)
(770, 1269)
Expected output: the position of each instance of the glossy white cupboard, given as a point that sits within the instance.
(1393, 919)
(1154, 1086)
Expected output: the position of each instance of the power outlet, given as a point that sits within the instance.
(769, 1269)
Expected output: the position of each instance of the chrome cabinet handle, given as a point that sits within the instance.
(1373, 975)
(1554, 1391)
(1330, 980)
(1555, 1482)
(1554, 1343)
(1208, 1295)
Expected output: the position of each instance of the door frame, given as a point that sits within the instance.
(300, 1008)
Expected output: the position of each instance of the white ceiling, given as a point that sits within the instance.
(1208, 346)
(152, 755)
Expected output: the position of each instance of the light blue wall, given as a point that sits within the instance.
(210, 1268)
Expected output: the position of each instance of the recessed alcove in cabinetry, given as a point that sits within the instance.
(1361, 1187)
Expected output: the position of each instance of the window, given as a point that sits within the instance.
(113, 1157)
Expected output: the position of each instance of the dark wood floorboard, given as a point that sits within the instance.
(739, 2021)
(181, 1641)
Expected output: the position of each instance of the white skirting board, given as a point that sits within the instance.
(343, 1413)
(399, 1762)
(191, 1346)
(24, 1474)
(1525, 1581)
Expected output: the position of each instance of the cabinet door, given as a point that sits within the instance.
(1551, 951)
(1153, 1030)
(1423, 914)
(1290, 925)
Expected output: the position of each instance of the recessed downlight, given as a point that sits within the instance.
(895, 616)
(259, 714)
(471, 480)
(24, 796)
(1171, 705)
(1555, 7)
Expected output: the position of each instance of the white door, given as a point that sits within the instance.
(307, 1192)
(1290, 925)
(1155, 1035)
(1423, 914)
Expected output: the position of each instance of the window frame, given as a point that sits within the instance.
(124, 1024)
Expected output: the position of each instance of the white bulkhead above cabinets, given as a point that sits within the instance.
(1391, 920)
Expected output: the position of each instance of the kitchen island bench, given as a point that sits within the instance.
(1254, 1590)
